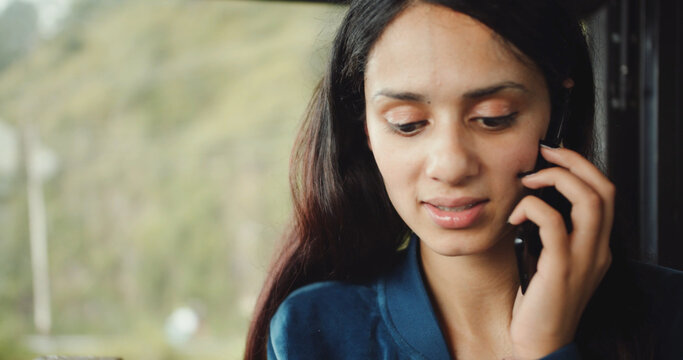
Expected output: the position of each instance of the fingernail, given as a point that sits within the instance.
(525, 174)
(510, 217)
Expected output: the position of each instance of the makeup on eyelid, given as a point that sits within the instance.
(490, 107)
(395, 118)
(487, 108)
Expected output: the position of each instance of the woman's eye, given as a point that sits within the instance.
(408, 128)
(498, 122)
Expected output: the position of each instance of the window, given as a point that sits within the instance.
(147, 145)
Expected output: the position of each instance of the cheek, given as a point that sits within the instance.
(397, 164)
(505, 168)
(519, 159)
(383, 148)
(393, 165)
(520, 151)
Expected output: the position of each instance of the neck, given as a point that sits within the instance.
(474, 294)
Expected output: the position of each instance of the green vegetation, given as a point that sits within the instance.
(172, 123)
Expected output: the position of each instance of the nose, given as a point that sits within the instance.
(452, 158)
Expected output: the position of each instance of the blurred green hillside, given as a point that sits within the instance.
(171, 123)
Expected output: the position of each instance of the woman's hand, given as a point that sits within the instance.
(570, 266)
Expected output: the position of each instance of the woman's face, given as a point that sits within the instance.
(452, 117)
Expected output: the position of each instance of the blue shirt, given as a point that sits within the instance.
(388, 318)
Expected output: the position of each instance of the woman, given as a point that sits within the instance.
(427, 117)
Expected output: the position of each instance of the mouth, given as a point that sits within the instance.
(455, 213)
(455, 204)
(457, 208)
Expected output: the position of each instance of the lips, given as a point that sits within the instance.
(455, 213)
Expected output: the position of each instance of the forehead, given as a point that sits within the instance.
(430, 47)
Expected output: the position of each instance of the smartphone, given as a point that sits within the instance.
(528, 242)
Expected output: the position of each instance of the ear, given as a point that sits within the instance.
(367, 137)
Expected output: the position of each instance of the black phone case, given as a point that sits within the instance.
(528, 244)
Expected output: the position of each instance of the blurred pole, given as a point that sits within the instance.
(623, 125)
(42, 316)
(644, 125)
(649, 128)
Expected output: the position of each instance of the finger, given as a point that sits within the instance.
(581, 167)
(587, 208)
(551, 228)
(585, 170)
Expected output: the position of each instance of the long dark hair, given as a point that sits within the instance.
(344, 226)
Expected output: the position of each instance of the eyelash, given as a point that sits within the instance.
(501, 122)
(408, 128)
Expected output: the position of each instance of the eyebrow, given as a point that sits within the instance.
(490, 90)
(404, 95)
(472, 94)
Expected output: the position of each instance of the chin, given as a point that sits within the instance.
(458, 242)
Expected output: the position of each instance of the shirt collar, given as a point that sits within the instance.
(408, 308)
